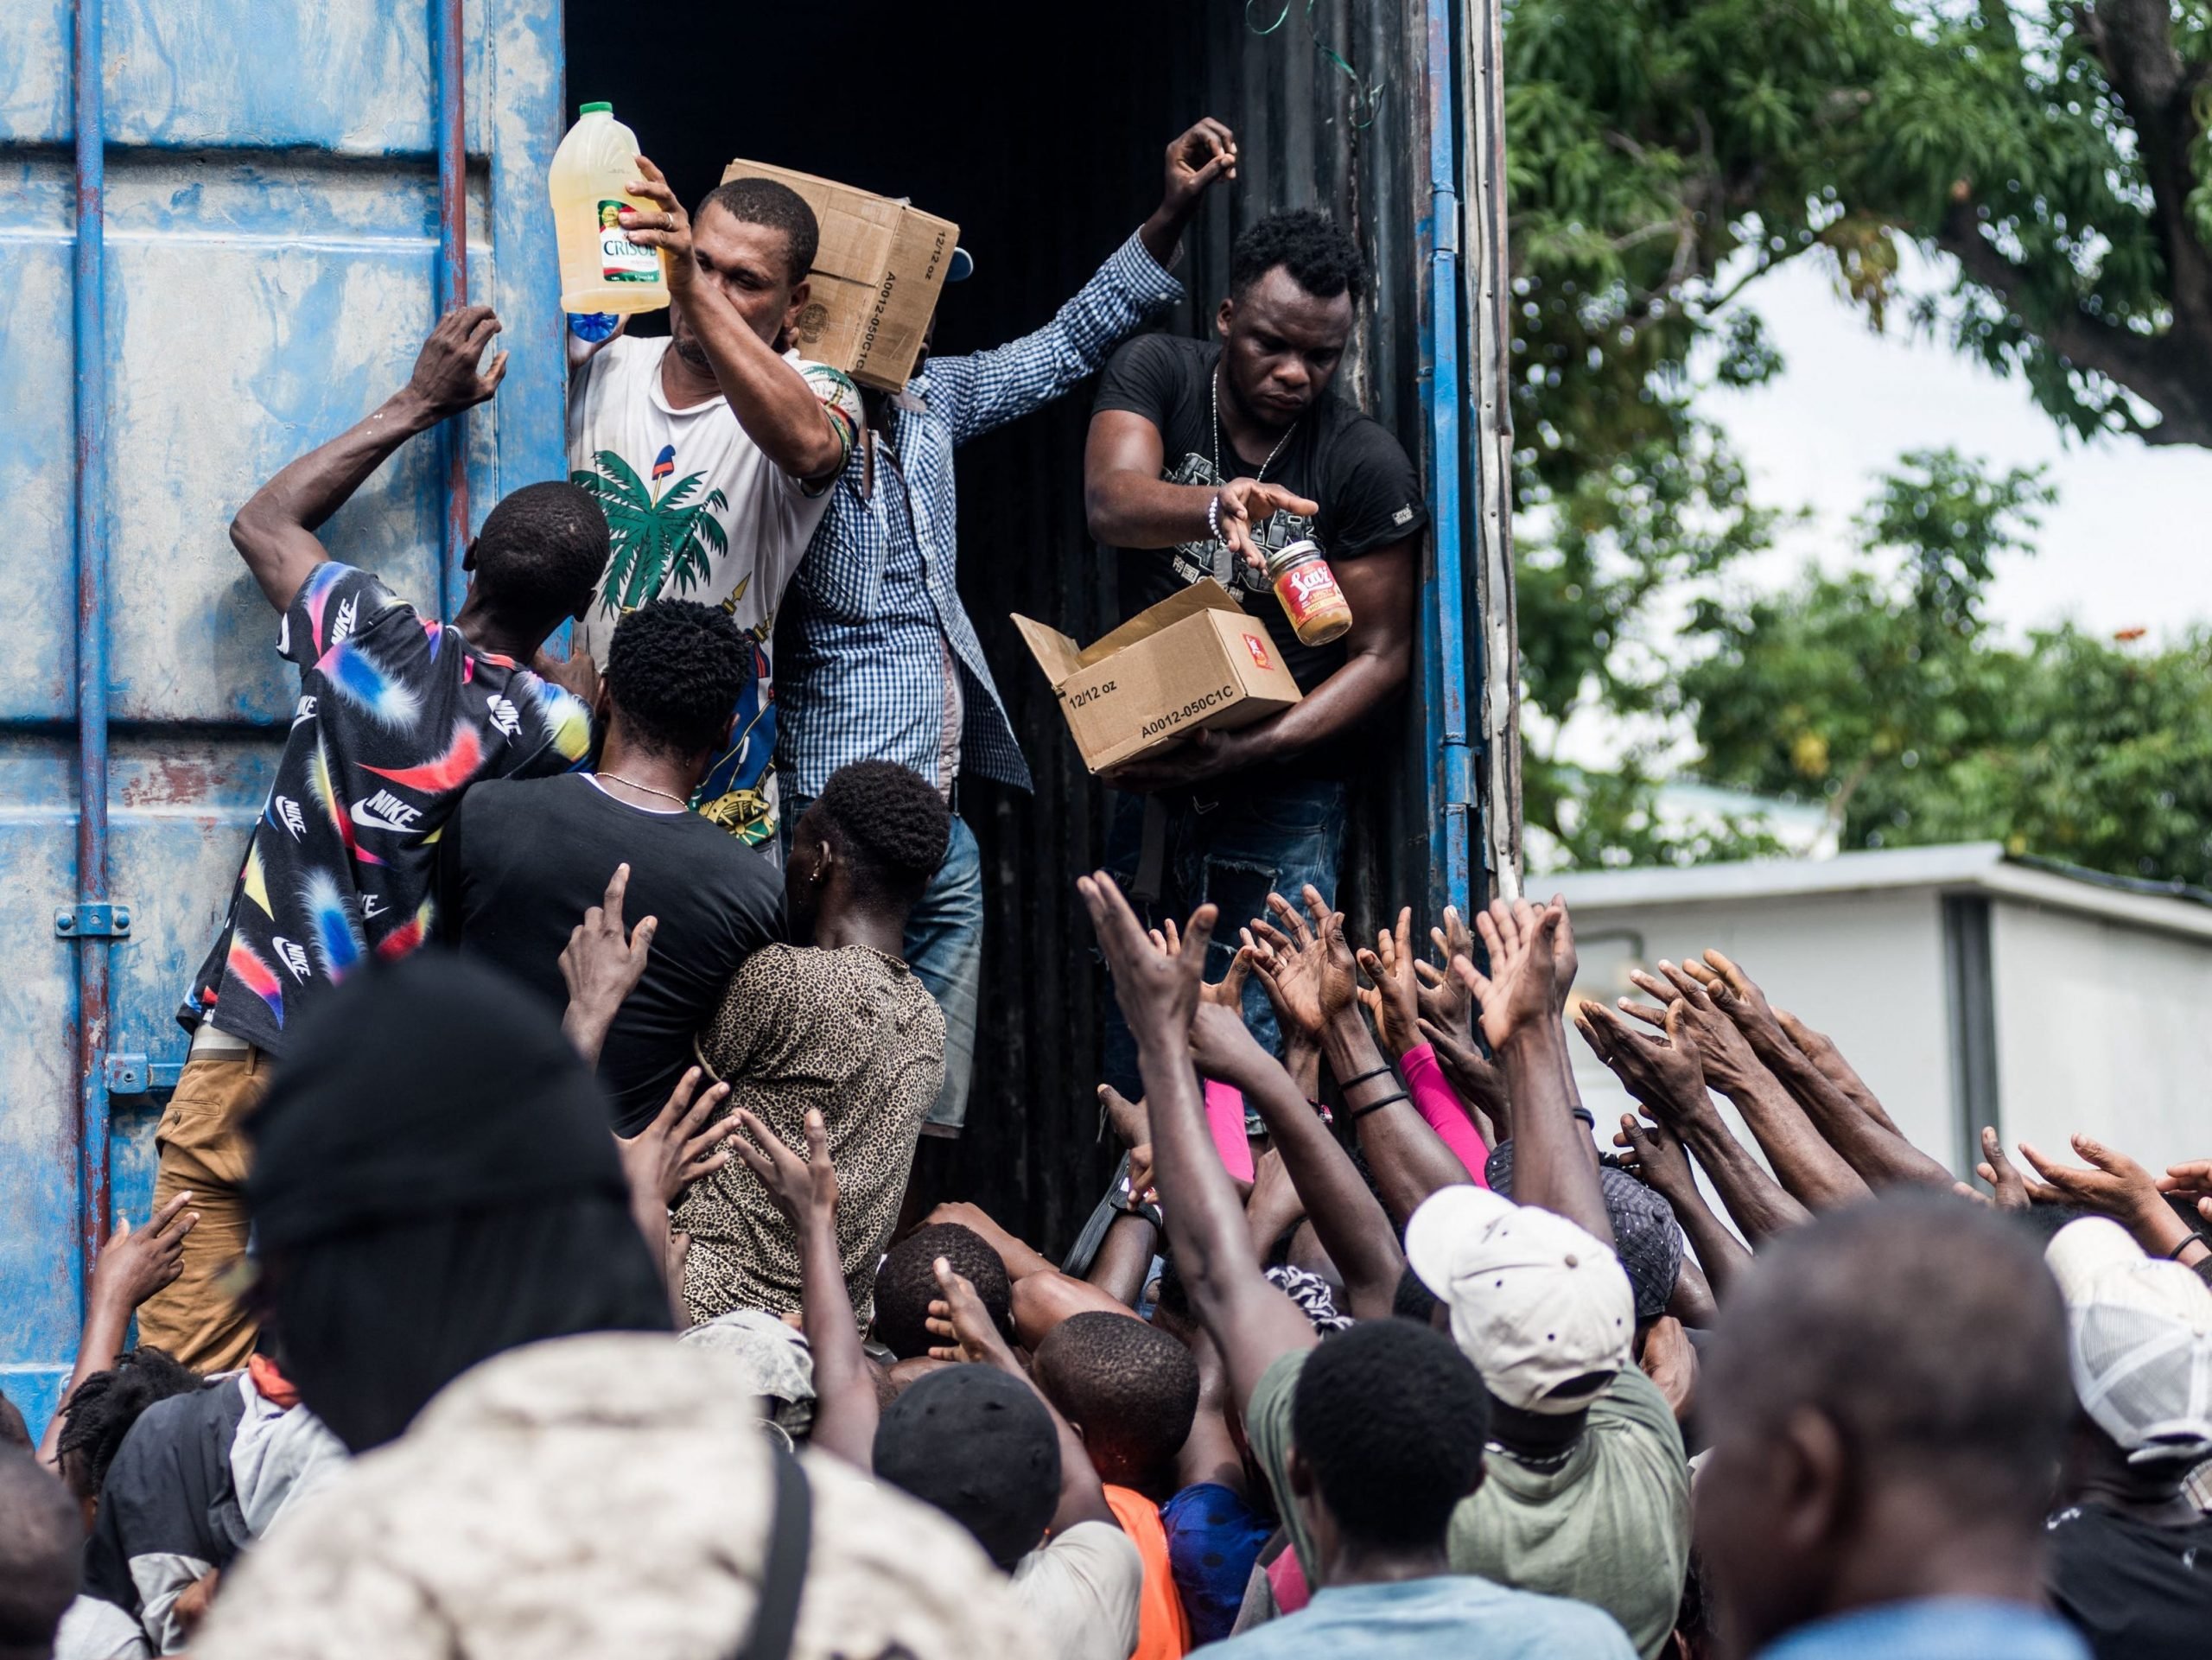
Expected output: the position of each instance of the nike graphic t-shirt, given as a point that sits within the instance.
(695, 511)
(397, 716)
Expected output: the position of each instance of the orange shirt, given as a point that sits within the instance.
(1163, 1630)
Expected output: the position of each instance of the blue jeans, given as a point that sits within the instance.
(945, 947)
(1231, 853)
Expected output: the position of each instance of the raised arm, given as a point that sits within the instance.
(1394, 997)
(772, 400)
(1309, 971)
(1349, 1224)
(274, 532)
(1820, 1049)
(980, 391)
(1657, 1158)
(1554, 1161)
(1814, 1173)
(1873, 1148)
(805, 1190)
(131, 1267)
(1663, 1072)
(1251, 1321)
(966, 1332)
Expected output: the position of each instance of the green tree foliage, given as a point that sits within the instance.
(1880, 691)
(1664, 154)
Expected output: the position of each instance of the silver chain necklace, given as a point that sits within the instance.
(1272, 454)
(647, 788)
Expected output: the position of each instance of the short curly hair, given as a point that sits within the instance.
(1130, 1387)
(889, 823)
(763, 202)
(100, 1411)
(905, 1285)
(1308, 245)
(541, 551)
(675, 670)
(1390, 1417)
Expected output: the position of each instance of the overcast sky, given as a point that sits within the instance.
(2128, 545)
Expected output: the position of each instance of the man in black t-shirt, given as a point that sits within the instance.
(2130, 1555)
(522, 861)
(1204, 457)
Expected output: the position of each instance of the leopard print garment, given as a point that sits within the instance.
(852, 1033)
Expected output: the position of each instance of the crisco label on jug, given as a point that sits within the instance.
(622, 260)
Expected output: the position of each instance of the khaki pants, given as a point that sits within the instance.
(202, 1149)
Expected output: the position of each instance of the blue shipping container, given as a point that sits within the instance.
(242, 209)
(222, 243)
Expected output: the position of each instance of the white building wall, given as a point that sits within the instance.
(2102, 1027)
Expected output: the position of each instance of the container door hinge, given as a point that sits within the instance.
(1458, 780)
(137, 1075)
(108, 920)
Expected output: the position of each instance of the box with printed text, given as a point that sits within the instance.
(877, 273)
(1196, 659)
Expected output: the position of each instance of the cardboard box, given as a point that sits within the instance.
(877, 275)
(1196, 659)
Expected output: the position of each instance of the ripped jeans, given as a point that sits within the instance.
(1230, 852)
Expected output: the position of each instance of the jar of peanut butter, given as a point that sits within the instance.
(1308, 590)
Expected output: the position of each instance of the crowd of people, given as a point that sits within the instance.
(545, 1259)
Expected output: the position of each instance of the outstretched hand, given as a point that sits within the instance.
(2110, 1183)
(601, 964)
(2192, 1179)
(1687, 1013)
(680, 1145)
(1158, 993)
(1520, 994)
(958, 1316)
(1228, 992)
(805, 1190)
(2009, 1189)
(135, 1263)
(1393, 996)
(1662, 1072)
(446, 378)
(1655, 1155)
(1303, 962)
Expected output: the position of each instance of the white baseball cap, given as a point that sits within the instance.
(2139, 1341)
(1537, 1303)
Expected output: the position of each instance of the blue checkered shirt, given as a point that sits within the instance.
(874, 613)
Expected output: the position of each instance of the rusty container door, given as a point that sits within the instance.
(226, 227)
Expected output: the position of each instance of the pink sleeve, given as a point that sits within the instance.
(1438, 1103)
(1225, 1117)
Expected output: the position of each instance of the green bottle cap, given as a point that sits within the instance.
(591, 109)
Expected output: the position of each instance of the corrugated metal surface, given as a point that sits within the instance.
(1041, 134)
(269, 240)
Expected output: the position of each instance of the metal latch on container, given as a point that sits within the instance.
(105, 920)
(136, 1075)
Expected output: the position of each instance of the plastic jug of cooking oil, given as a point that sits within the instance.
(601, 270)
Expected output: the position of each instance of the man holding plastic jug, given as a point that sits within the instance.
(881, 659)
(711, 451)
